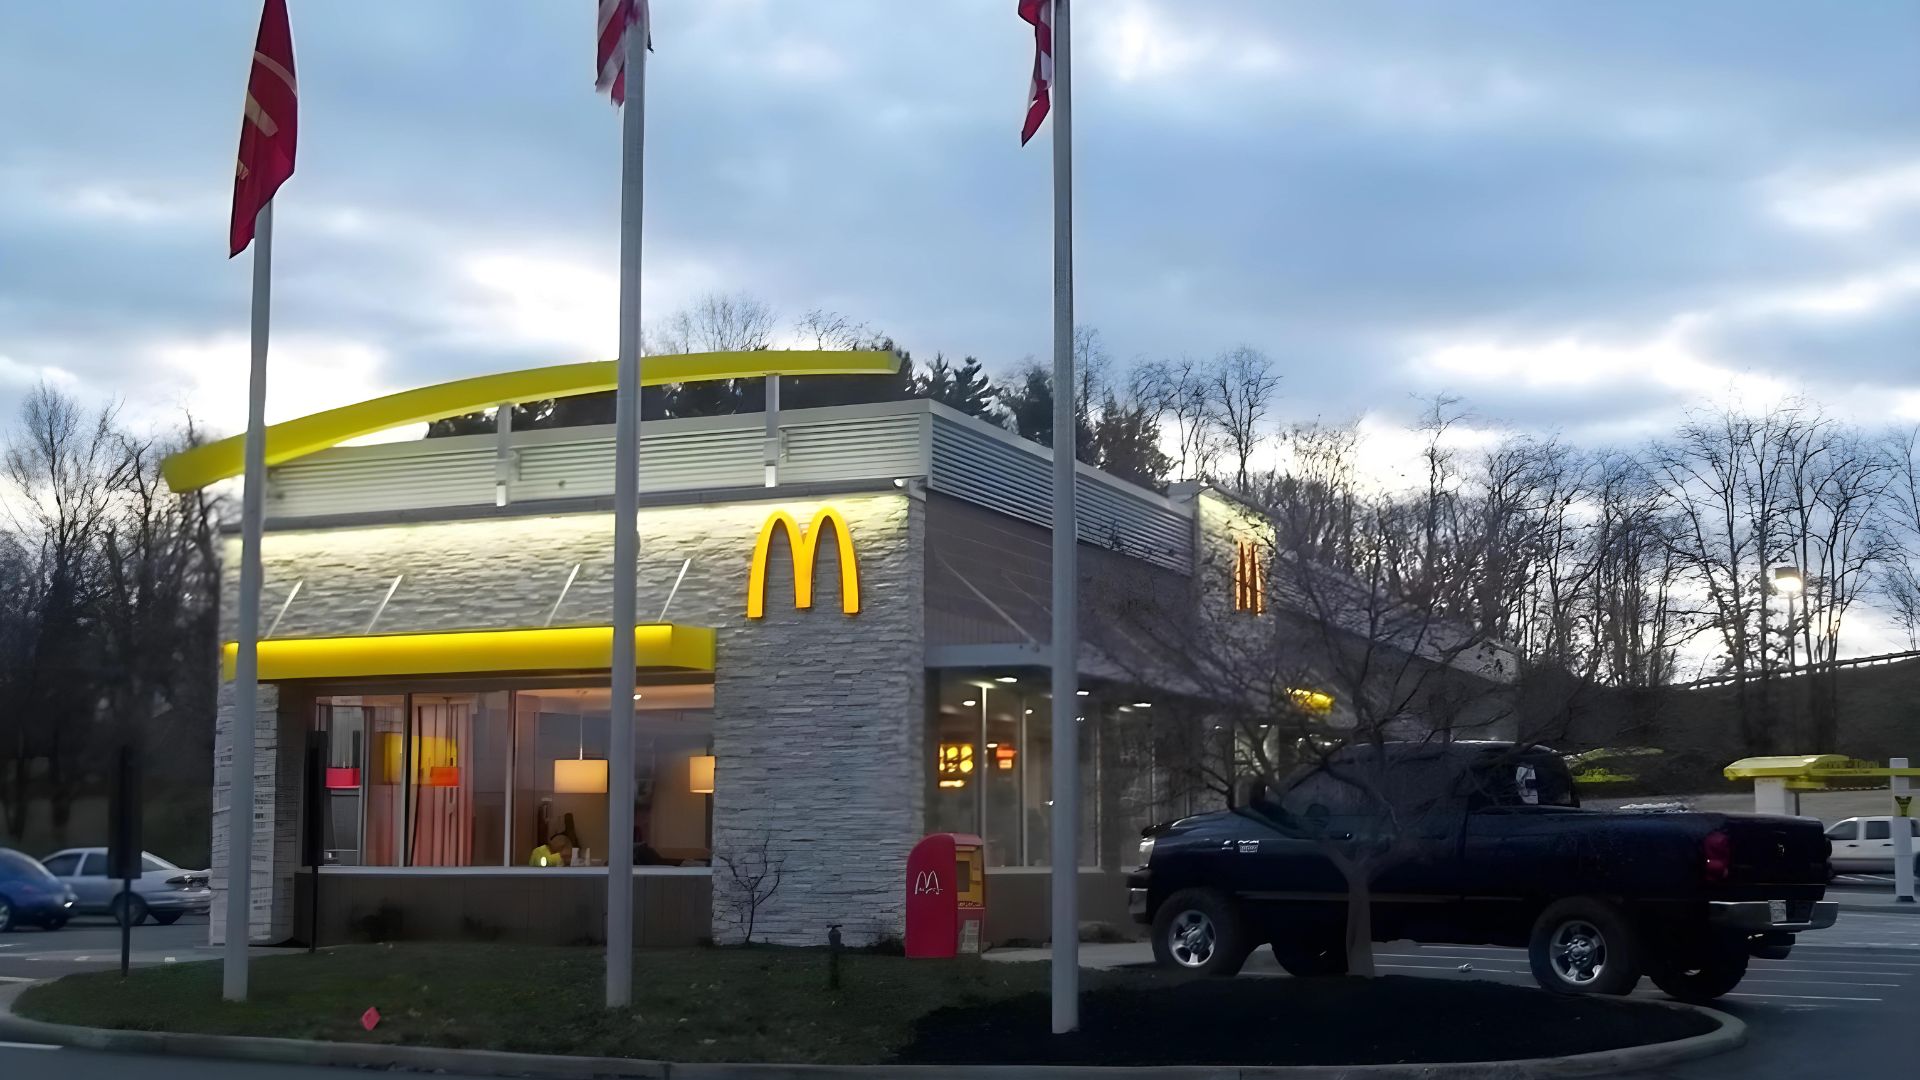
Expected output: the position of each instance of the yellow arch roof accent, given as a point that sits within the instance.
(215, 461)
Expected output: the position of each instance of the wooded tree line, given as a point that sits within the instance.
(108, 624)
(1613, 565)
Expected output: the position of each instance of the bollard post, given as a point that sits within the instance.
(833, 956)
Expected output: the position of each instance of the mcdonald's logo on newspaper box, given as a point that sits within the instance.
(805, 545)
(946, 896)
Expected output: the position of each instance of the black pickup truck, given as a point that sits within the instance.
(1487, 845)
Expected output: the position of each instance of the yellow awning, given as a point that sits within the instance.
(203, 465)
(660, 647)
(1754, 768)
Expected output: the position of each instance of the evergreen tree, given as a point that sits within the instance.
(965, 388)
(1030, 405)
(1126, 444)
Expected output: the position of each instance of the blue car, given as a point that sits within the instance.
(29, 894)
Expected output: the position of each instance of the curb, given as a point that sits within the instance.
(1731, 1034)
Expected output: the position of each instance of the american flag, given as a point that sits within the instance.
(615, 17)
(1040, 14)
(267, 129)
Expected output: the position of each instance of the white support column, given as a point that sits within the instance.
(502, 453)
(1770, 796)
(1902, 834)
(771, 455)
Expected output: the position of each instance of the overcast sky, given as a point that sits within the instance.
(1579, 215)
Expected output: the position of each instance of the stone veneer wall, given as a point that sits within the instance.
(276, 815)
(818, 716)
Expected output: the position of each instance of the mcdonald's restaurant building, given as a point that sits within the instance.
(845, 649)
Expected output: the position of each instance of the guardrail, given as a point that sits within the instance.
(1797, 671)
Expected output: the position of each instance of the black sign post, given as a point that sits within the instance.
(313, 832)
(123, 843)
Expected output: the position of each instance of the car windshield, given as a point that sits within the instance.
(14, 864)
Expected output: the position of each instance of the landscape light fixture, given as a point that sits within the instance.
(1788, 581)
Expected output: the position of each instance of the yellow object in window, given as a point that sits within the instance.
(955, 764)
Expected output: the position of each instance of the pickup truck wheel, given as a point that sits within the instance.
(1584, 946)
(1716, 974)
(1310, 957)
(1200, 932)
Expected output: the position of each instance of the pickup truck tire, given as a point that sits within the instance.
(1584, 946)
(1200, 932)
(1717, 973)
(1310, 957)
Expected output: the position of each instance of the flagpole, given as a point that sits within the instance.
(626, 534)
(246, 675)
(1066, 644)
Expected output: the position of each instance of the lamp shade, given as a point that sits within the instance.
(578, 776)
(700, 774)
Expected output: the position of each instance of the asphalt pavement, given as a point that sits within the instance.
(92, 943)
(1845, 1004)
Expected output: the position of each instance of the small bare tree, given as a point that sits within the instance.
(1178, 391)
(58, 468)
(1243, 384)
(1314, 676)
(752, 875)
(822, 329)
(719, 322)
(1900, 530)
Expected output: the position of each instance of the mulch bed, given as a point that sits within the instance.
(1296, 1022)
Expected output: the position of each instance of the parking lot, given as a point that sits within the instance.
(92, 943)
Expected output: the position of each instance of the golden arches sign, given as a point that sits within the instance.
(805, 545)
(1249, 578)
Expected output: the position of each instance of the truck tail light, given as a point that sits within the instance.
(1717, 856)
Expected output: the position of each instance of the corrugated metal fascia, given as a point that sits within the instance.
(883, 441)
(1004, 473)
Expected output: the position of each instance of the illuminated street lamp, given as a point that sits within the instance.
(1789, 582)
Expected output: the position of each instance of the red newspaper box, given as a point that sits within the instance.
(946, 895)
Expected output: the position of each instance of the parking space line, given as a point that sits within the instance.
(28, 1046)
(1828, 971)
(1818, 982)
(1802, 997)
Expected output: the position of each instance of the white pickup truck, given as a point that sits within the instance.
(1864, 845)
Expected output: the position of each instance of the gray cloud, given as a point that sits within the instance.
(1346, 186)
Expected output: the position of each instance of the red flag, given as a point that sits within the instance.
(267, 129)
(1040, 14)
(616, 16)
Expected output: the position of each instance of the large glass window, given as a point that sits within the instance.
(513, 777)
(990, 748)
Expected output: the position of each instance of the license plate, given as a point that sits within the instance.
(1777, 910)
